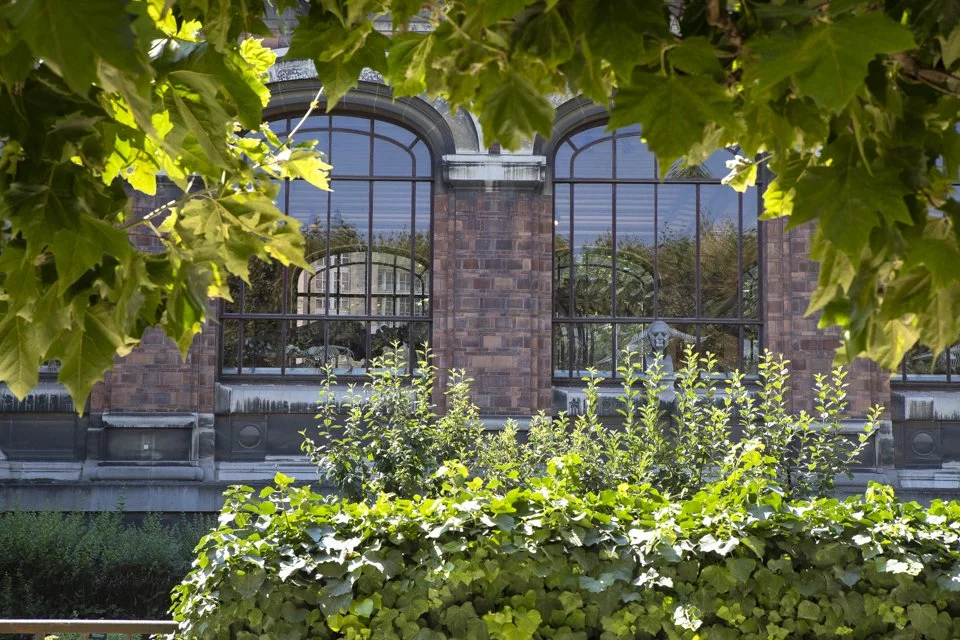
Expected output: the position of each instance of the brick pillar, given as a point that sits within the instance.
(790, 277)
(492, 288)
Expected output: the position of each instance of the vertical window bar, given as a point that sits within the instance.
(698, 308)
(740, 278)
(656, 249)
(241, 325)
(613, 265)
(573, 270)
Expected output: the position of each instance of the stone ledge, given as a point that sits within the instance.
(504, 171)
(46, 397)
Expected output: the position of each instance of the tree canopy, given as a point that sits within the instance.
(851, 104)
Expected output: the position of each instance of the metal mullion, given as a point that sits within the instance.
(740, 278)
(240, 337)
(656, 250)
(573, 272)
(413, 256)
(948, 363)
(613, 265)
(740, 335)
(636, 181)
(326, 258)
(698, 306)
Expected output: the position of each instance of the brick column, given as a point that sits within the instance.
(790, 278)
(492, 289)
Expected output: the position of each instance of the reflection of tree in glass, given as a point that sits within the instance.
(677, 252)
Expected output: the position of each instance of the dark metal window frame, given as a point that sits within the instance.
(615, 320)
(288, 315)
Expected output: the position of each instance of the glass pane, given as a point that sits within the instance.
(352, 123)
(595, 161)
(264, 294)
(391, 341)
(308, 205)
(635, 240)
(561, 163)
(421, 271)
(716, 164)
(261, 347)
(677, 338)
(632, 341)
(752, 350)
(278, 126)
(314, 122)
(561, 251)
(391, 259)
(561, 351)
(921, 366)
(350, 154)
(592, 251)
(305, 353)
(723, 341)
(390, 159)
(400, 134)
(592, 347)
(309, 290)
(421, 338)
(235, 285)
(719, 251)
(634, 160)
(676, 250)
(751, 259)
(230, 346)
(423, 160)
(347, 347)
(587, 136)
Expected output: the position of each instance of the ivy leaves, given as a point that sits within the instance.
(735, 560)
(852, 105)
(97, 94)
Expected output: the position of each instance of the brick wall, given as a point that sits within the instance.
(492, 289)
(154, 377)
(790, 278)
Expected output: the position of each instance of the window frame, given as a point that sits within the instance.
(615, 320)
(287, 314)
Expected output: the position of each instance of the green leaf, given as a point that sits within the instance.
(79, 250)
(807, 610)
(72, 37)
(675, 112)
(20, 355)
(513, 111)
(830, 60)
(407, 62)
(86, 351)
(695, 56)
(849, 202)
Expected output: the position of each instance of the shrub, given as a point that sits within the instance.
(388, 435)
(56, 565)
(481, 561)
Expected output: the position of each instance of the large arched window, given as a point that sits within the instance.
(634, 243)
(369, 243)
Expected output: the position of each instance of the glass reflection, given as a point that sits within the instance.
(719, 251)
(677, 251)
(593, 347)
(592, 249)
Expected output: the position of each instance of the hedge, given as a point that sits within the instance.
(734, 561)
(74, 565)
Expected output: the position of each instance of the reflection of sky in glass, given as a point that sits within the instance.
(350, 205)
(634, 160)
(390, 159)
(350, 154)
(562, 162)
(593, 214)
(307, 203)
(401, 135)
(676, 208)
(595, 161)
(635, 213)
(719, 205)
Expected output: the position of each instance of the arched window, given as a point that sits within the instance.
(369, 244)
(634, 243)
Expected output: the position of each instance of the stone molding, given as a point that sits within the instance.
(494, 171)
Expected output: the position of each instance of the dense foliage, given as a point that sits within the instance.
(55, 565)
(548, 560)
(96, 99)
(389, 436)
(852, 105)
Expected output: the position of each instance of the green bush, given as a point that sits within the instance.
(389, 436)
(481, 561)
(55, 565)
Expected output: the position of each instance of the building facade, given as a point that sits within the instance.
(524, 269)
